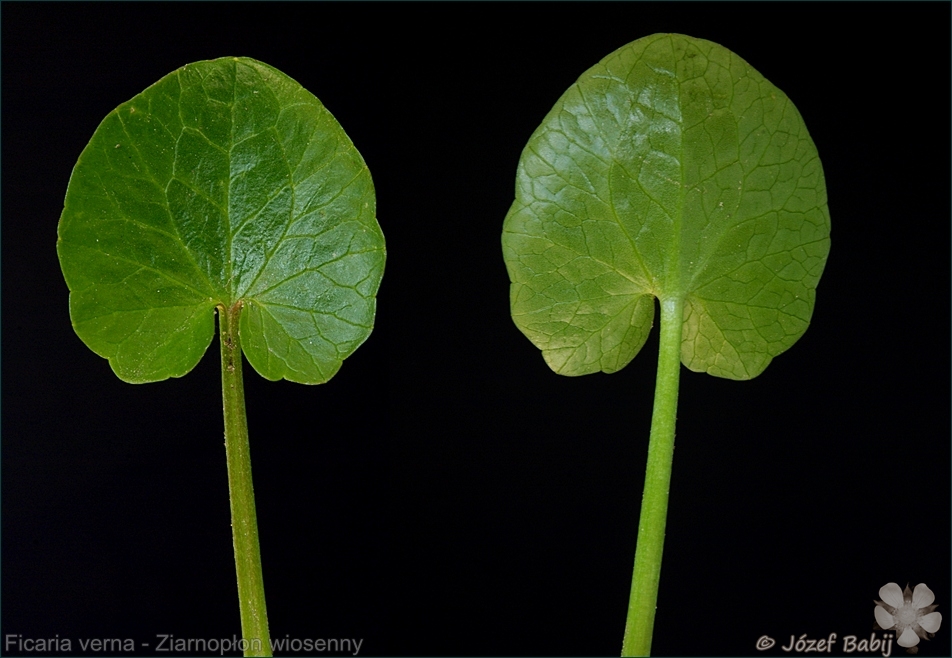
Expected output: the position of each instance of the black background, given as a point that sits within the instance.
(446, 493)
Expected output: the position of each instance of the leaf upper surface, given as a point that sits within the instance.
(225, 182)
(670, 169)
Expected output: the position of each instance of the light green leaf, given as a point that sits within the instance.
(671, 169)
(224, 183)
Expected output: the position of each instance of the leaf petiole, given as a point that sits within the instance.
(244, 523)
(643, 600)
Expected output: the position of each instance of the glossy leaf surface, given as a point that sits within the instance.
(226, 182)
(670, 169)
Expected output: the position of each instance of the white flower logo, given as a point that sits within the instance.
(909, 613)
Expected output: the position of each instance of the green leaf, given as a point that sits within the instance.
(224, 183)
(671, 169)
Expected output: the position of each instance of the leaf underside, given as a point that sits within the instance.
(670, 169)
(224, 183)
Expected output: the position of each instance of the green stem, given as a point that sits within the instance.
(244, 524)
(654, 506)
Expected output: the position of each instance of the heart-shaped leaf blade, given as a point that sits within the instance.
(670, 169)
(224, 183)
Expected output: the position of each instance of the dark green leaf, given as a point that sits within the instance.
(225, 182)
(670, 169)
